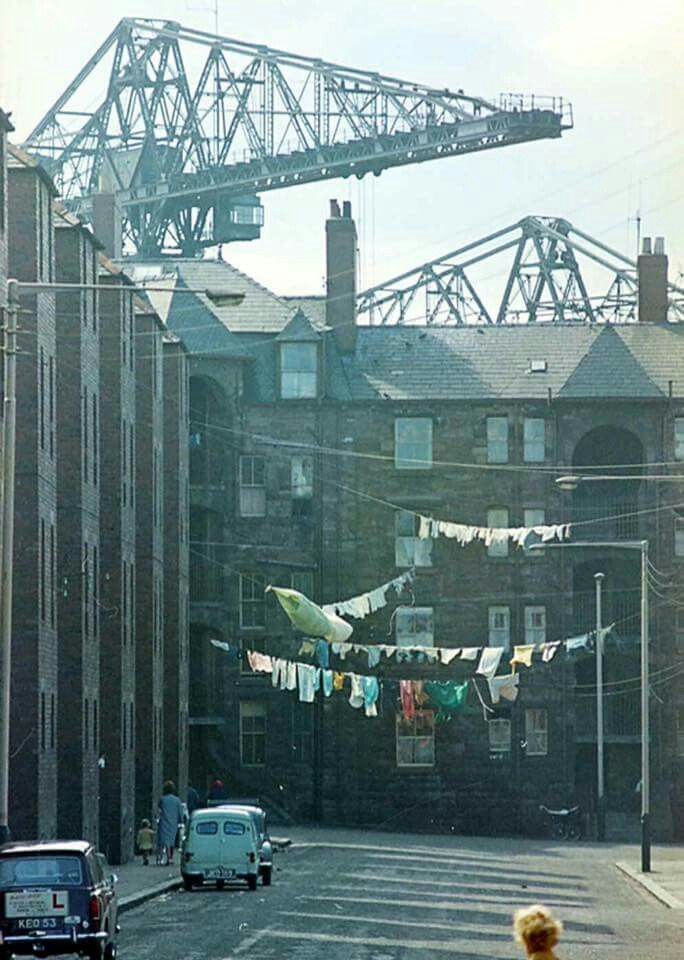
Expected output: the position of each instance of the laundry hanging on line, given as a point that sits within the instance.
(364, 604)
(429, 528)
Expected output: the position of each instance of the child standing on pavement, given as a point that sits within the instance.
(146, 840)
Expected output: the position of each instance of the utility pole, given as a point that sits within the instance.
(645, 719)
(600, 789)
(6, 555)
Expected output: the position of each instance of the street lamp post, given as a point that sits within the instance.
(600, 769)
(642, 546)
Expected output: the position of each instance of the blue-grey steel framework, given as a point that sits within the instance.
(544, 283)
(188, 157)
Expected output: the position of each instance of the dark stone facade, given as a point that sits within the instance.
(34, 687)
(78, 532)
(176, 563)
(117, 566)
(149, 561)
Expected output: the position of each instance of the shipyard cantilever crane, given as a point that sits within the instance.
(187, 128)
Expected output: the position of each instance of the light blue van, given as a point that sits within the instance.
(221, 844)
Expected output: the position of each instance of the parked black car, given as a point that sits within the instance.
(56, 897)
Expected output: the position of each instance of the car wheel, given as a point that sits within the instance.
(110, 951)
(252, 881)
(188, 883)
(96, 952)
(266, 876)
(220, 884)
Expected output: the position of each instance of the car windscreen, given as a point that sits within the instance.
(232, 828)
(41, 871)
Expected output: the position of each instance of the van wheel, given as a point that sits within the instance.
(266, 876)
(220, 884)
(252, 881)
(110, 951)
(188, 883)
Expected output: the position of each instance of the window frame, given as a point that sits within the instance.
(309, 393)
(535, 730)
(492, 440)
(252, 460)
(678, 438)
(532, 444)
(678, 531)
(417, 545)
(298, 490)
(413, 462)
(498, 550)
(252, 735)
(493, 611)
(400, 720)
(527, 522)
(532, 610)
(496, 745)
(415, 638)
(251, 578)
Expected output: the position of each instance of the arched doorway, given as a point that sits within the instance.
(607, 509)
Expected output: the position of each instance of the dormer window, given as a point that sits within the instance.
(298, 371)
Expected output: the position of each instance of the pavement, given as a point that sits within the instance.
(362, 895)
(136, 883)
(665, 881)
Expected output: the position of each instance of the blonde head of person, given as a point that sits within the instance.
(538, 931)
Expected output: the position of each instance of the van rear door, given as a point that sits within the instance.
(237, 842)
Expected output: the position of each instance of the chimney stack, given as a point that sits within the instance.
(652, 277)
(341, 246)
(107, 225)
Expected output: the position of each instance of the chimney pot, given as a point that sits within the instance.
(646, 248)
(660, 245)
(346, 209)
(334, 209)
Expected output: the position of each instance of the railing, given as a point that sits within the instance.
(621, 715)
(607, 518)
(621, 607)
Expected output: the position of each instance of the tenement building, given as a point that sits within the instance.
(316, 445)
(86, 734)
(78, 528)
(34, 677)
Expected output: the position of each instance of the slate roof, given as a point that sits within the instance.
(477, 363)
(18, 159)
(243, 320)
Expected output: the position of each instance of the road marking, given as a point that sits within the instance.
(248, 943)
(460, 904)
(479, 884)
(441, 946)
(455, 927)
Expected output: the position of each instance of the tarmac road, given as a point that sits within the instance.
(367, 896)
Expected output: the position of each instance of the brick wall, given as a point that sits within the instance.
(117, 568)
(33, 770)
(149, 607)
(176, 560)
(78, 502)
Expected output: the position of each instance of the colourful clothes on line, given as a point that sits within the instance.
(448, 697)
(338, 681)
(407, 702)
(371, 692)
(523, 655)
(549, 651)
(327, 682)
(356, 695)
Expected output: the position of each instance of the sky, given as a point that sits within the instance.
(619, 62)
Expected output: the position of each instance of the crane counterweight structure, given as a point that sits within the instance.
(189, 128)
